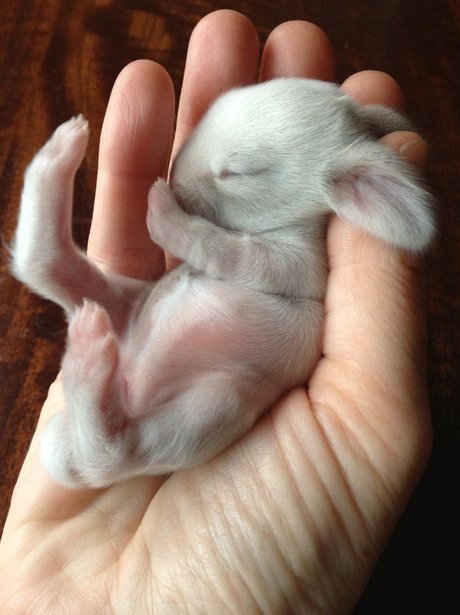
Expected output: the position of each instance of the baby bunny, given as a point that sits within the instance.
(161, 376)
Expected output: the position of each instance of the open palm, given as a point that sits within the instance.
(293, 516)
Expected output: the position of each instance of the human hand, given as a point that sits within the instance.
(293, 516)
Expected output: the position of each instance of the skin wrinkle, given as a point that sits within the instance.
(188, 567)
(305, 513)
(234, 563)
(335, 509)
(65, 579)
(224, 588)
(362, 552)
(129, 128)
(127, 253)
(195, 571)
(325, 416)
(115, 543)
(222, 516)
(402, 284)
(164, 584)
(278, 572)
(132, 104)
(207, 512)
(328, 419)
(131, 567)
(85, 543)
(340, 518)
(299, 574)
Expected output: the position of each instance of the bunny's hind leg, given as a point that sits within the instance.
(86, 443)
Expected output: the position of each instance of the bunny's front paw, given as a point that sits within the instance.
(164, 217)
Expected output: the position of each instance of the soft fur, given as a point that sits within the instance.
(161, 376)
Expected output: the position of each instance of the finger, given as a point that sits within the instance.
(344, 240)
(375, 324)
(222, 53)
(135, 143)
(410, 146)
(374, 339)
(375, 87)
(372, 87)
(297, 49)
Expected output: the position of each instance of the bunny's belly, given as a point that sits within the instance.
(191, 326)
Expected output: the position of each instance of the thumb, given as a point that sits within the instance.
(378, 283)
(374, 337)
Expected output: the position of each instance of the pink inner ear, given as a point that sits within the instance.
(387, 202)
(354, 187)
(367, 189)
(391, 194)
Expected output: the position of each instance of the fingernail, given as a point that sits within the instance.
(415, 152)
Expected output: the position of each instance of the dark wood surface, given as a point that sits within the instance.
(59, 57)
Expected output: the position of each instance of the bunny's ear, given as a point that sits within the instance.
(374, 189)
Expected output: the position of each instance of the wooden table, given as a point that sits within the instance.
(60, 57)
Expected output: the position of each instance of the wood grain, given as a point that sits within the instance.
(60, 57)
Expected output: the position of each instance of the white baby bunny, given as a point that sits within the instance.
(161, 376)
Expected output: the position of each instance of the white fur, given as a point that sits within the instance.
(163, 376)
